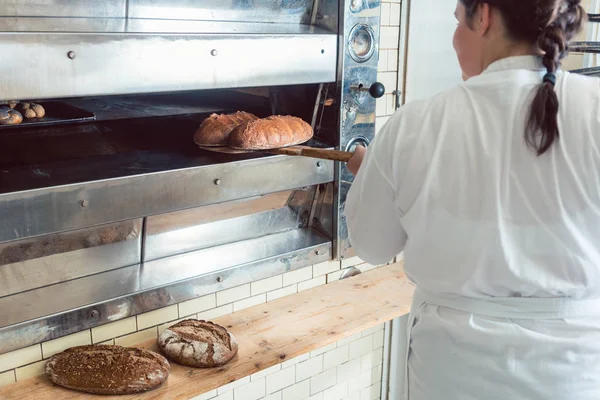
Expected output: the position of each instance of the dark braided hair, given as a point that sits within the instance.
(551, 24)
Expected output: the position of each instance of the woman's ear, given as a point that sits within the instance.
(483, 18)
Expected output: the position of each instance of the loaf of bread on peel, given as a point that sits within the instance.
(214, 130)
(200, 344)
(107, 369)
(270, 133)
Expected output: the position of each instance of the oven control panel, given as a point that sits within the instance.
(360, 91)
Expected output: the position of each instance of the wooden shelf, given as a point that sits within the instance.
(270, 334)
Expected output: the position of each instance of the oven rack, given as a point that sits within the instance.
(585, 47)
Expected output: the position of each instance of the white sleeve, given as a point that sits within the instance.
(374, 227)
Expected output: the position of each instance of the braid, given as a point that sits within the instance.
(542, 123)
(552, 24)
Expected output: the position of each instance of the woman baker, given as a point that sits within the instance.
(492, 190)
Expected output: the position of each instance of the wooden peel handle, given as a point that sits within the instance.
(323, 154)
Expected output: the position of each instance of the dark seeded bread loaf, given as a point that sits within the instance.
(270, 133)
(105, 369)
(199, 344)
(215, 130)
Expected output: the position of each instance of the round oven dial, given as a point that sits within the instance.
(361, 43)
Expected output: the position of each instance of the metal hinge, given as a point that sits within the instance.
(397, 93)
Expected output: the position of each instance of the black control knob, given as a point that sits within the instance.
(377, 90)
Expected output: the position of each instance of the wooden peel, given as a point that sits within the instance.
(304, 151)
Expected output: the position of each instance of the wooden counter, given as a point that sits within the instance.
(270, 334)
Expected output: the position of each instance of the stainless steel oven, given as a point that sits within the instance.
(108, 209)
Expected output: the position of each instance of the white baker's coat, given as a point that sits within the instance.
(451, 182)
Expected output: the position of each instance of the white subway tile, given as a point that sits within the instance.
(109, 342)
(197, 305)
(8, 377)
(20, 357)
(324, 380)
(353, 261)
(349, 339)
(233, 385)
(360, 382)
(335, 276)
(385, 14)
(326, 267)
(224, 396)
(335, 357)
(137, 337)
(55, 346)
(373, 392)
(378, 339)
(250, 391)
(249, 302)
(390, 110)
(376, 374)
(337, 392)
(206, 396)
(282, 379)
(383, 62)
(372, 330)
(389, 37)
(392, 60)
(274, 396)
(372, 359)
(309, 368)
(296, 360)
(353, 395)
(349, 370)
(395, 15)
(313, 283)
(233, 294)
(361, 347)
(31, 370)
(266, 285)
(369, 267)
(318, 396)
(299, 275)
(265, 372)
(299, 391)
(157, 317)
(216, 312)
(381, 106)
(322, 350)
(113, 329)
(279, 293)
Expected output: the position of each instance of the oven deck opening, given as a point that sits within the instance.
(130, 136)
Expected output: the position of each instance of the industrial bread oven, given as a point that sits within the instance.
(108, 209)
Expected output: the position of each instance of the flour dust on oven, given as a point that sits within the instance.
(107, 207)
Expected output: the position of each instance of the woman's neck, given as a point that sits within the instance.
(507, 50)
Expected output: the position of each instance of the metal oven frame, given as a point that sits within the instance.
(237, 220)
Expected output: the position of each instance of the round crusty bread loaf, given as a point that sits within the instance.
(197, 343)
(272, 132)
(215, 130)
(107, 369)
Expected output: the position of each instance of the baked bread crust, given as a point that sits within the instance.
(200, 344)
(107, 369)
(214, 130)
(270, 133)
